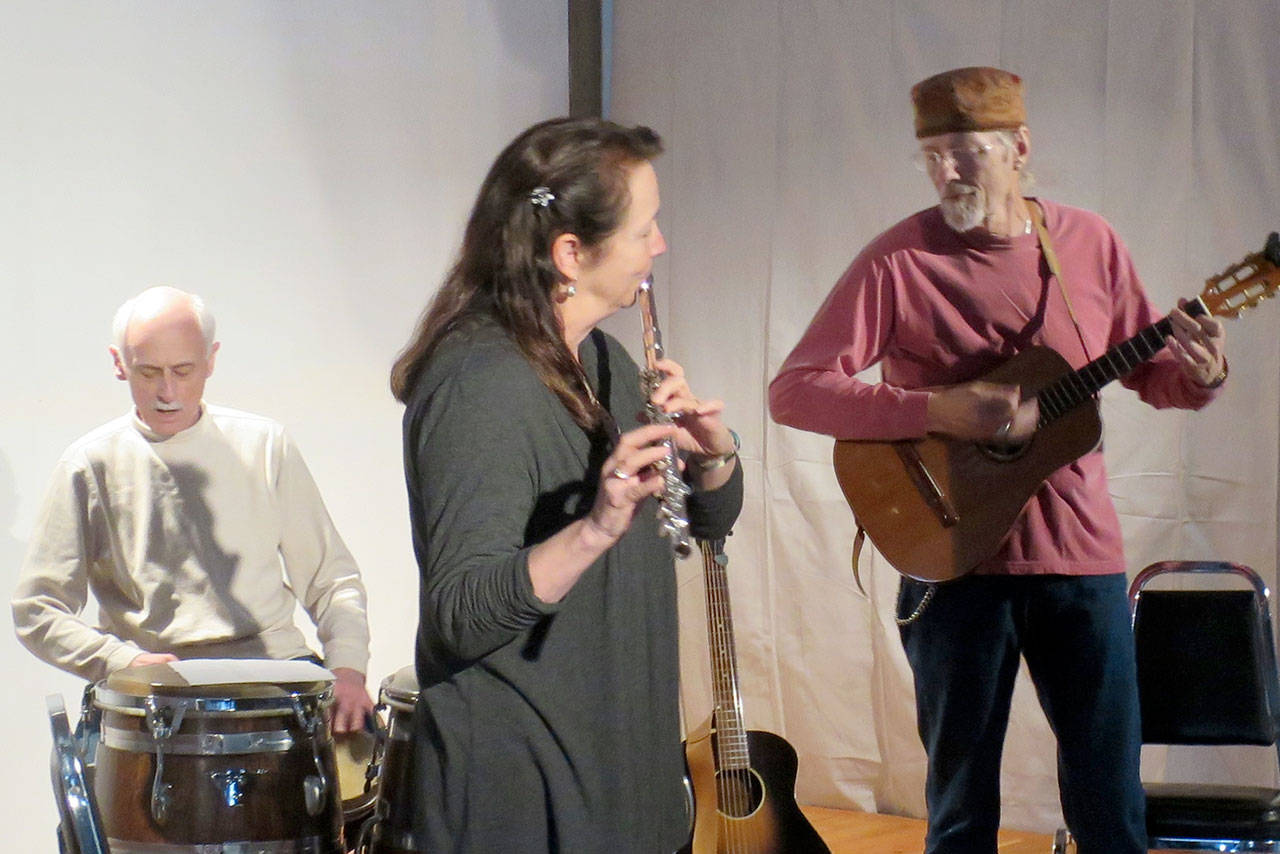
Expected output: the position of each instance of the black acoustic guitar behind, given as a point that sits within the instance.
(743, 780)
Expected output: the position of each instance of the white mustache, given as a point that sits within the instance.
(956, 189)
(160, 406)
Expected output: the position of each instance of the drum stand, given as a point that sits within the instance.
(80, 830)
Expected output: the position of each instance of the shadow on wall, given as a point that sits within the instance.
(12, 550)
(23, 668)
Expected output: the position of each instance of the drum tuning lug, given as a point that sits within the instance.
(161, 799)
(163, 723)
(233, 783)
(87, 731)
(314, 790)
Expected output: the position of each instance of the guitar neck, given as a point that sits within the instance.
(1073, 389)
(732, 752)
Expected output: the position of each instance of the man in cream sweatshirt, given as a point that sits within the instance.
(196, 528)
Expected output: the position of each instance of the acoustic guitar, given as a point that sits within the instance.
(937, 507)
(743, 780)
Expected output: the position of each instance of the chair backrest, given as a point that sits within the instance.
(1206, 659)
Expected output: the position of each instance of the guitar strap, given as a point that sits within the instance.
(1051, 258)
(858, 539)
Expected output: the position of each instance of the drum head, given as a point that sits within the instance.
(400, 689)
(235, 677)
(354, 753)
(216, 686)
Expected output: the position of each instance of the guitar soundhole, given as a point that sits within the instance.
(1003, 453)
(739, 792)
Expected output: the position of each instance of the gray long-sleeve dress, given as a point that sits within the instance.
(539, 727)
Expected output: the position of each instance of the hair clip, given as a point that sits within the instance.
(541, 196)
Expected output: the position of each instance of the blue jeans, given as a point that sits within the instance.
(964, 652)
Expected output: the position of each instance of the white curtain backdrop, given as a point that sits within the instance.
(788, 127)
(307, 167)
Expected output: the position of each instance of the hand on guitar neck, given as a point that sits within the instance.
(984, 411)
(1197, 342)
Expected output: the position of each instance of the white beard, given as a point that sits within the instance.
(964, 208)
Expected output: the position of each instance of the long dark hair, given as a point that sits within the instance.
(505, 271)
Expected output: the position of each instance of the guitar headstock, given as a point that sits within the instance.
(1242, 286)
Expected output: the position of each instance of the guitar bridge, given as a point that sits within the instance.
(926, 485)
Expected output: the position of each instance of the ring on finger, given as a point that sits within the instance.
(620, 474)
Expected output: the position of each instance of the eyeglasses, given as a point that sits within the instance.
(961, 157)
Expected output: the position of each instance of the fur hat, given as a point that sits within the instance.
(968, 99)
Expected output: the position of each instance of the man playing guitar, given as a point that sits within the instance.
(945, 296)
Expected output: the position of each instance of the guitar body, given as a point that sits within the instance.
(986, 488)
(764, 818)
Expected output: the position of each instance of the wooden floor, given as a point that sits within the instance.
(848, 832)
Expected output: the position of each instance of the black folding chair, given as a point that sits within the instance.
(80, 829)
(1207, 675)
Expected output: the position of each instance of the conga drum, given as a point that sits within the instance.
(391, 829)
(357, 780)
(218, 757)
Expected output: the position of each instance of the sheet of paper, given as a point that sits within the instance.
(232, 671)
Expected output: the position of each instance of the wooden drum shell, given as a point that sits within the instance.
(236, 770)
(392, 831)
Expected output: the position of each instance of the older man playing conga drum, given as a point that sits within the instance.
(196, 528)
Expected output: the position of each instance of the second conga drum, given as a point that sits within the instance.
(354, 752)
(391, 831)
(218, 756)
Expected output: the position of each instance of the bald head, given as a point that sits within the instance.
(164, 349)
(160, 300)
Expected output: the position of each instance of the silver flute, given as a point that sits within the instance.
(673, 519)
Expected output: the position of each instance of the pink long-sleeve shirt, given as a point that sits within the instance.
(936, 308)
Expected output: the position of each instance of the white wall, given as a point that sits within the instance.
(307, 167)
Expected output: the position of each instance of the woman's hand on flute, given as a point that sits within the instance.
(627, 478)
(702, 432)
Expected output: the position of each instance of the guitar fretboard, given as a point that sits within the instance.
(731, 734)
(1069, 391)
